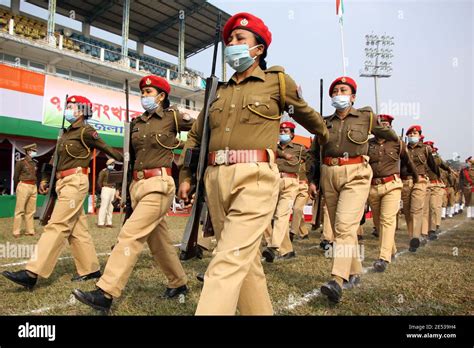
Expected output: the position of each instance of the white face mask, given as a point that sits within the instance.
(110, 167)
(33, 154)
(341, 102)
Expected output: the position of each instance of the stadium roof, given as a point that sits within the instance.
(153, 22)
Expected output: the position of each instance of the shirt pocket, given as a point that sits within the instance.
(163, 140)
(75, 149)
(216, 112)
(358, 134)
(393, 155)
(258, 108)
(137, 141)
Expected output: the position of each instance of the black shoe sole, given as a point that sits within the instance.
(81, 299)
(269, 257)
(413, 250)
(27, 286)
(330, 294)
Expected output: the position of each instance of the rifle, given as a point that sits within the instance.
(189, 247)
(401, 202)
(319, 210)
(47, 209)
(125, 175)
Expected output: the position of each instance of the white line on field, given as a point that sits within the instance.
(60, 259)
(316, 292)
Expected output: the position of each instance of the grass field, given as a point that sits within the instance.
(437, 280)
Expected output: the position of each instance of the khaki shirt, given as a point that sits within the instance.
(349, 137)
(440, 164)
(103, 179)
(76, 145)
(25, 170)
(154, 138)
(387, 156)
(298, 153)
(422, 158)
(234, 117)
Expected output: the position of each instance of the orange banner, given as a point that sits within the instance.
(21, 80)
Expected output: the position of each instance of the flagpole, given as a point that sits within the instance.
(342, 47)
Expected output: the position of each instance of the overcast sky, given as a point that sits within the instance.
(432, 78)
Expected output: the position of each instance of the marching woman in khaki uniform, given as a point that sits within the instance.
(25, 182)
(345, 179)
(466, 182)
(153, 138)
(386, 190)
(289, 158)
(432, 208)
(107, 196)
(415, 185)
(242, 187)
(298, 224)
(68, 221)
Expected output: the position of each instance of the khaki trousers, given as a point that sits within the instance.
(436, 205)
(346, 189)
(298, 225)
(413, 197)
(151, 200)
(68, 223)
(241, 200)
(328, 233)
(107, 195)
(384, 200)
(450, 195)
(279, 236)
(25, 208)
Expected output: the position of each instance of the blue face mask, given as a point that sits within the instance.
(149, 103)
(413, 140)
(110, 167)
(33, 154)
(285, 138)
(238, 57)
(341, 102)
(69, 115)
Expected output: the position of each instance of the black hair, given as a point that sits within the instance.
(262, 63)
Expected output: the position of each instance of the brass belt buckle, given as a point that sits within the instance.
(220, 157)
(334, 161)
(140, 175)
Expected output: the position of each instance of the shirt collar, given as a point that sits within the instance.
(257, 73)
(353, 112)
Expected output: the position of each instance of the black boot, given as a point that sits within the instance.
(332, 290)
(173, 292)
(269, 254)
(432, 235)
(21, 277)
(414, 244)
(95, 299)
(380, 265)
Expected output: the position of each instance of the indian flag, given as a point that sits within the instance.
(340, 9)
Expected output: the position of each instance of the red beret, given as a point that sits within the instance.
(248, 22)
(422, 137)
(386, 118)
(414, 127)
(77, 99)
(430, 143)
(157, 82)
(344, 80)
(290, 125)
